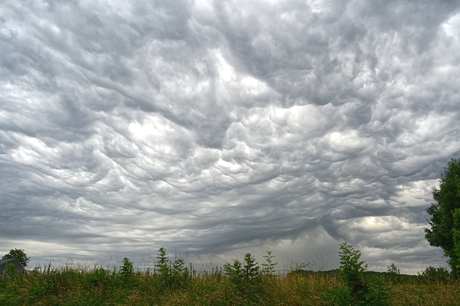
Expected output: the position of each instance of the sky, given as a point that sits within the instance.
(217, 128)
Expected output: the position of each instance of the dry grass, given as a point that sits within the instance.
(71, 286)
(426, 294)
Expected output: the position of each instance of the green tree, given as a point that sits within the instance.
(443, 226)
(19, 255)
(244, 277)
(352, 271)
(361, 288)
(456, 233)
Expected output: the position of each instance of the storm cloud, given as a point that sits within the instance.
(217, 127)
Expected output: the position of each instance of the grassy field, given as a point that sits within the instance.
(85, 287)
(239, 283)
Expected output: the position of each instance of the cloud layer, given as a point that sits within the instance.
(220, 126)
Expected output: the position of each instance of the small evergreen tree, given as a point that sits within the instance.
(352, 270)
(163, 265)
(127, 269)
(365, 289)
(243, 277)
(173, 275)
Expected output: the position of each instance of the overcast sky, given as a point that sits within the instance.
(217, 128)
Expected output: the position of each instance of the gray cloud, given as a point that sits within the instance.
(224, 126)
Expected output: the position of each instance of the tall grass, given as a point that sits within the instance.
(171, 283)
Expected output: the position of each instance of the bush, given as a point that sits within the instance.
(393, 273)
(11, 270)
(127, 269)
(352, 271)
(172, 275)
(338, 296)
(179, 273)
(392, 269)
(365, 289)
(234, 272)
(127, 273)
(269, 265)
(98, 277)
(378, 292)
(243, 277)
(432, 275)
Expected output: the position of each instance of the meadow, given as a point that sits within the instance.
(244, 282)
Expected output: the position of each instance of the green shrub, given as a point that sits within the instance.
(173, 275)
(393, 273)
(456, 235)
(127, 273)
(378, 292)
(11, 270)
(269, 265)
(251, 269)
(352, 271)
(243, 277)
(49, 284)
(127, 269)
(98, 277)
(365, 289)
(392, 269)
(235, 272)
(3, 283)
(162, 264)
(338, 296)
(432, 275)
(179, 273)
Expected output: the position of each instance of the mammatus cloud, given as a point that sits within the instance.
(224, 126)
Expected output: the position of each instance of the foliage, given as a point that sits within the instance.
(127, 269)
(378, 291)
(98, 277)
(456, 236)
(352, 271)
(338, 296)
(443, 227)
(162, 264)
(12, 271)
(393, 273)
(364, 288)
(243, 277)
(179, 273)
(392, 269)
(269, 265)
(126, 275)
(234, 272)
(251, 269)
(172, 275)
(433, 275)
(19, 254)
(97, 286)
